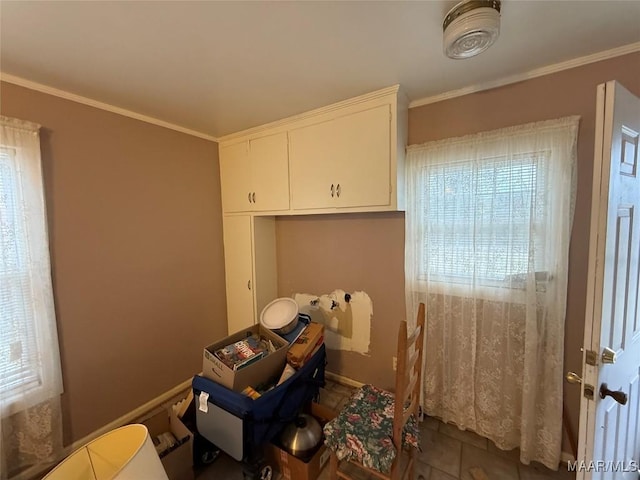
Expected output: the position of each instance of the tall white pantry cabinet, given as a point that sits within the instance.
(346, 157)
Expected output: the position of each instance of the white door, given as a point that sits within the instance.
(238, 265)
(313, 154)
(235, 177)
(367, 151)
(609, 439)
(270, 172)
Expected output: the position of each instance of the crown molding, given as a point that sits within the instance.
(538, 72)
(312, 113)
(22, 82)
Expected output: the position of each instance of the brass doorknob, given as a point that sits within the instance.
(608, 355)
(573, 378)
(618, 395)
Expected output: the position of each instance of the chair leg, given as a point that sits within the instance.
(333, 466)
(395, 469)
(412, 463)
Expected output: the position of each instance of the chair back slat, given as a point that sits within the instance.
(412, 360)
(414, 336)
(409, 411)
(410, 389)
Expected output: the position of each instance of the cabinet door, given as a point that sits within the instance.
(238, 272)
(343, 162)
(270, 172)
(364, 155)
(235, 177)
(312, 159)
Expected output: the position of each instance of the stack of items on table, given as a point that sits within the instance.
(252, 357)
(254, 382)
(244, 352)
(252, 361)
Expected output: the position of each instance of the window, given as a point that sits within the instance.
(18, 346)
(29, 353)
(482, 210)
(487, 232)
(484, 218)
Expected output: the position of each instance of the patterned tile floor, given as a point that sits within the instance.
(447, 453)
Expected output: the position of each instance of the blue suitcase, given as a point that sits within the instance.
(241, 426)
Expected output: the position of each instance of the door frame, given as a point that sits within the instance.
(595, 275)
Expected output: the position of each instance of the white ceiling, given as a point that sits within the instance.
(220, 67)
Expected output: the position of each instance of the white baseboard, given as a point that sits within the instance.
(334, 377)
(130, 416)
(141, 411)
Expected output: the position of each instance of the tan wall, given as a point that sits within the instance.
(136, 241)
(353, 252)
(367, 252)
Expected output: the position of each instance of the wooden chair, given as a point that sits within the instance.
(374, 428)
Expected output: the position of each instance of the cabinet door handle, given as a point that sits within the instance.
(249, 197)
(253, 197)
(338, 190)
(249, 285)
(332, 190)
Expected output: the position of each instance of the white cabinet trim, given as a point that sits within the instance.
(311, 116)
(391, 96)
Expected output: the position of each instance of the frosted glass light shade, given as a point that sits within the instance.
(471, 27)
(126, 453)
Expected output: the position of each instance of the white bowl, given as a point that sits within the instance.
(280, 315)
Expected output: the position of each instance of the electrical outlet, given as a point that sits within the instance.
(395, 363)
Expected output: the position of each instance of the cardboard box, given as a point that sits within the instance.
(178, 463)
(293, 468)
(251, 375)
(302, 349)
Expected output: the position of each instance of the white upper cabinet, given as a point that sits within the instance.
(254, 174)
(345, 157)
(342, 162)
(270, 172)
(235, 177)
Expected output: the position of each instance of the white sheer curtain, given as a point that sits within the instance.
(487, 239)
(30, 376)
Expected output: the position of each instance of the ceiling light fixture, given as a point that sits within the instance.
(471, 27)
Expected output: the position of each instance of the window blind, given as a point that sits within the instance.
(18, 338)
(477, 211)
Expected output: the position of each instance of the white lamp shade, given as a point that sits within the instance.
(126, 453)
